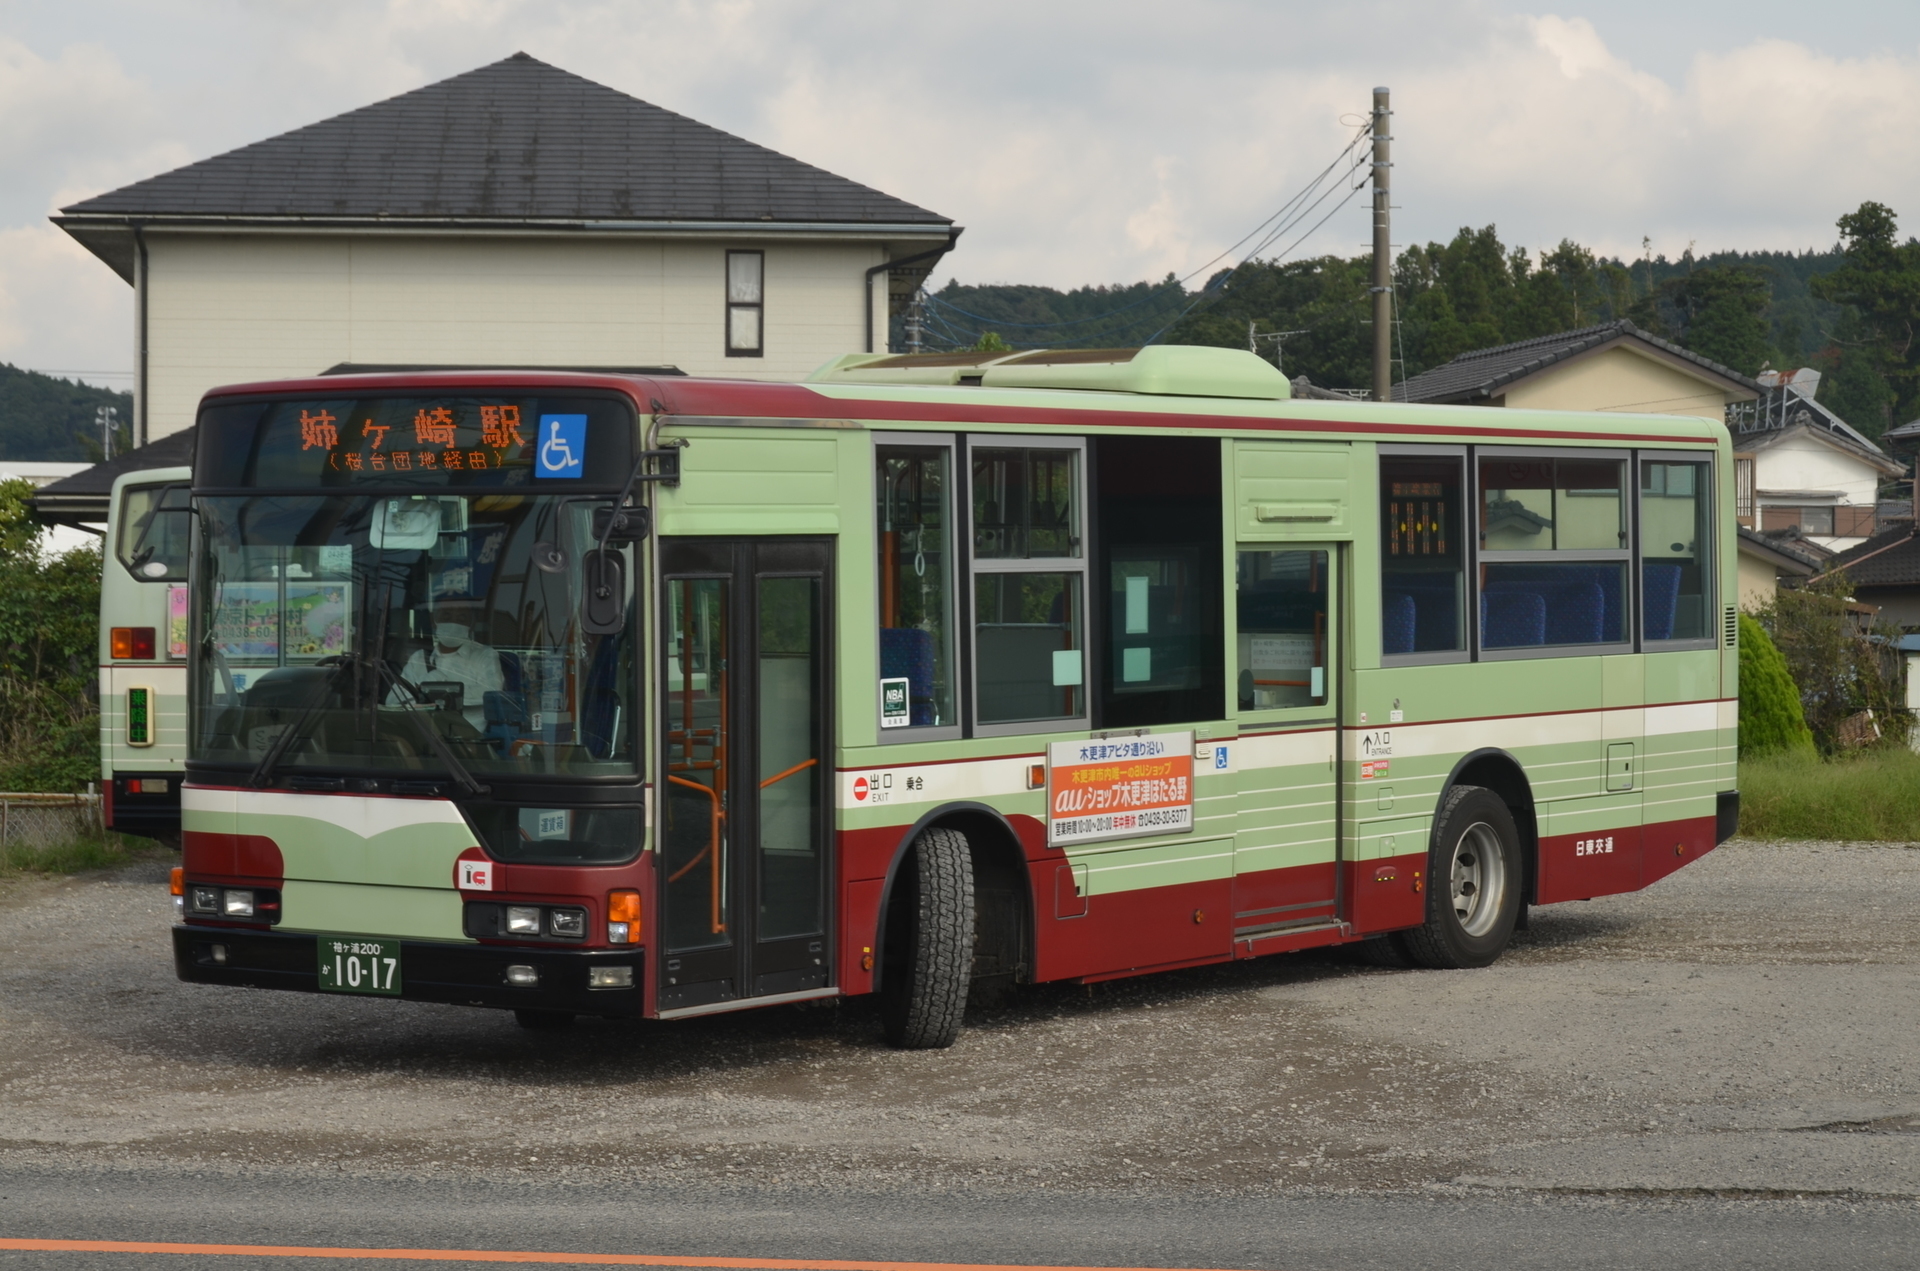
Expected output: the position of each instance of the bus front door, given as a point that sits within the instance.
(744, 830)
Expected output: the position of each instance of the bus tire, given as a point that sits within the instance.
(929, 947)
(542, 1021)
(1473, 883)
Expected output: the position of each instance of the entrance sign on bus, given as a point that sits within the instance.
(1119, 788)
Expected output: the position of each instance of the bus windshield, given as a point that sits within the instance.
(445, 633)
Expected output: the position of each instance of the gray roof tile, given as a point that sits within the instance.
(517, 140)
(1479, 374)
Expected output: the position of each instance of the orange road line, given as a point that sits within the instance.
(512, 1255)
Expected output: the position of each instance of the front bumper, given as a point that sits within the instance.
(461, 974)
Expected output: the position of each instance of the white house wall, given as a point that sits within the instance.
(1799, 462)
(223, 309)
(1619, 379)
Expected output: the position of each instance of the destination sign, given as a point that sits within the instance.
(453, 441)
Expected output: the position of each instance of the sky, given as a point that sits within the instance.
(1079, 142)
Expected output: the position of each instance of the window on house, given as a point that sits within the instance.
(1553, 550)
(1675, 534)
(746, 283)
(1423, 553)
(1029, 584)
(914, 494)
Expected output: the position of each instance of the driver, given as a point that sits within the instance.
(455, 657)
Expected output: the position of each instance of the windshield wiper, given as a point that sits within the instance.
(263, 771)
(410, 696)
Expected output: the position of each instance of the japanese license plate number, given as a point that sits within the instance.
(359, 964)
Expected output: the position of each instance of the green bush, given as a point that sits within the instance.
(1872, 796)
(1838, 669)
(1771, 718)
(49, 641)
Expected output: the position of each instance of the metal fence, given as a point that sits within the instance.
(47, 820)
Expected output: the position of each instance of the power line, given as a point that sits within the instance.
(1269, 227)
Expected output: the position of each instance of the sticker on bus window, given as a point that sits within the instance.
(1119, 787)
(894, 697)
(177, 612)
(563, 446)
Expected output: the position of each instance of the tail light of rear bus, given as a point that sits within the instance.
(131, 643)
(623, 917)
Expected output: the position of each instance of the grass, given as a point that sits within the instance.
(1872, 796)
(108, 851)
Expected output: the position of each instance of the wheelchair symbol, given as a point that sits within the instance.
(562, 445)
(555, 452)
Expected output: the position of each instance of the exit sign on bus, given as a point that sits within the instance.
(1119, 787)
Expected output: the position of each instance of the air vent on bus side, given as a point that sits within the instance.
(1733, 627)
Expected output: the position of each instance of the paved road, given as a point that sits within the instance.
(1718, 1072)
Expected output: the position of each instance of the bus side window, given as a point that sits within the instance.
(1675, 531)
(913, 488)
(154, 526)
(1160, 629)
(1281, 602)
(1422, 555)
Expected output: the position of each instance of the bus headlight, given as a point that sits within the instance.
(569, 923)
(206, 900)
(523, 920)
(239, 903)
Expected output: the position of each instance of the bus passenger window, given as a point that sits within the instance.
(1159, 631)
(1553, 550)
(1029, 586)
(1281, 600)
(1674, 533)
(913, 490)
(1029, 654)
(1422, 555)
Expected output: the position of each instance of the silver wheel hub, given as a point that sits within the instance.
(1477, 880)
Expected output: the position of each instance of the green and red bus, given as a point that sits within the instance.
(630, 696)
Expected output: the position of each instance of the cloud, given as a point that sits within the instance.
(1078, 143)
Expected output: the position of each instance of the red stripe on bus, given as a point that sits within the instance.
(515, 1255)
(697, 401)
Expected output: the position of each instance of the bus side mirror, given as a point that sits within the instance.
(605, 610)
(621, 525)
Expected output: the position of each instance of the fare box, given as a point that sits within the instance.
(1119, 787)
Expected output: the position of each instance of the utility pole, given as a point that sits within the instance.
(1382, 251)
(105, 416)
(916, 338)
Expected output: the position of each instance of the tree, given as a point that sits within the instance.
(49, 629)
(1880, 282)
(1771, 718)
(1717, 312)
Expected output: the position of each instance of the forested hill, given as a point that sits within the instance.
(52, 420)
(1839, 310)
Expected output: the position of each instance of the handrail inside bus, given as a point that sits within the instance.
(710, 853)
(782, 776)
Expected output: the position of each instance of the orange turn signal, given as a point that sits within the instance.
(1036, 776)
(623, 917)
(177, 881)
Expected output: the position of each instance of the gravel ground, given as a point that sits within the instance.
(1745, 1027)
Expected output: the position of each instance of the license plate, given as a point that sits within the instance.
(359, 964)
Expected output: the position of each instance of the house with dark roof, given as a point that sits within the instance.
(1885, 571)
(515, 214)
(1800, 466)
(1611, 367)
(1797, 466)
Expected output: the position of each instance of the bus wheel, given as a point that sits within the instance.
(929, 946)
(542, 1021)
(1473, 883)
